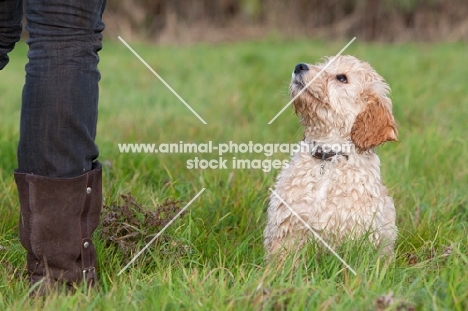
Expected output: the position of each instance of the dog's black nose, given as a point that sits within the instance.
(300, 67)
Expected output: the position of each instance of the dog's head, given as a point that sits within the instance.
(344, 98)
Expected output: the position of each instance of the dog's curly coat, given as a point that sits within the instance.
(341, 195)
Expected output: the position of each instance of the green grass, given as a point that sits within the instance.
(237, 88)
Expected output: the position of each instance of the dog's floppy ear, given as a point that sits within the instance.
(374, 125)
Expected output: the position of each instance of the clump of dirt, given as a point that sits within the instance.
(128, 226)
(384, 302)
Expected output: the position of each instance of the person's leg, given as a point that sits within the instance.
(11, 13)
(58, 177)
(60, 96)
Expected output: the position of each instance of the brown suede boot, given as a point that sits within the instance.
(58, 217)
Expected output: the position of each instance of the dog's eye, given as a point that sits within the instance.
(342, 78)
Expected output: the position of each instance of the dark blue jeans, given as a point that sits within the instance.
(60, 95)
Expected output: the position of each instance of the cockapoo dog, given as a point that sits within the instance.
(334, 184)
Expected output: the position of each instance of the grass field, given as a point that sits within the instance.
(212, 257)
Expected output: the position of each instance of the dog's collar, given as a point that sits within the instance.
(318, 153)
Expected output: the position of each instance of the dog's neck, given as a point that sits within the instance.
(325, 124)
(318, 135)
(327, 144)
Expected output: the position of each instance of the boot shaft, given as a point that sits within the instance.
(58, 217)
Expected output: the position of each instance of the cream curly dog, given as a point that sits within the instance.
(334, 184)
